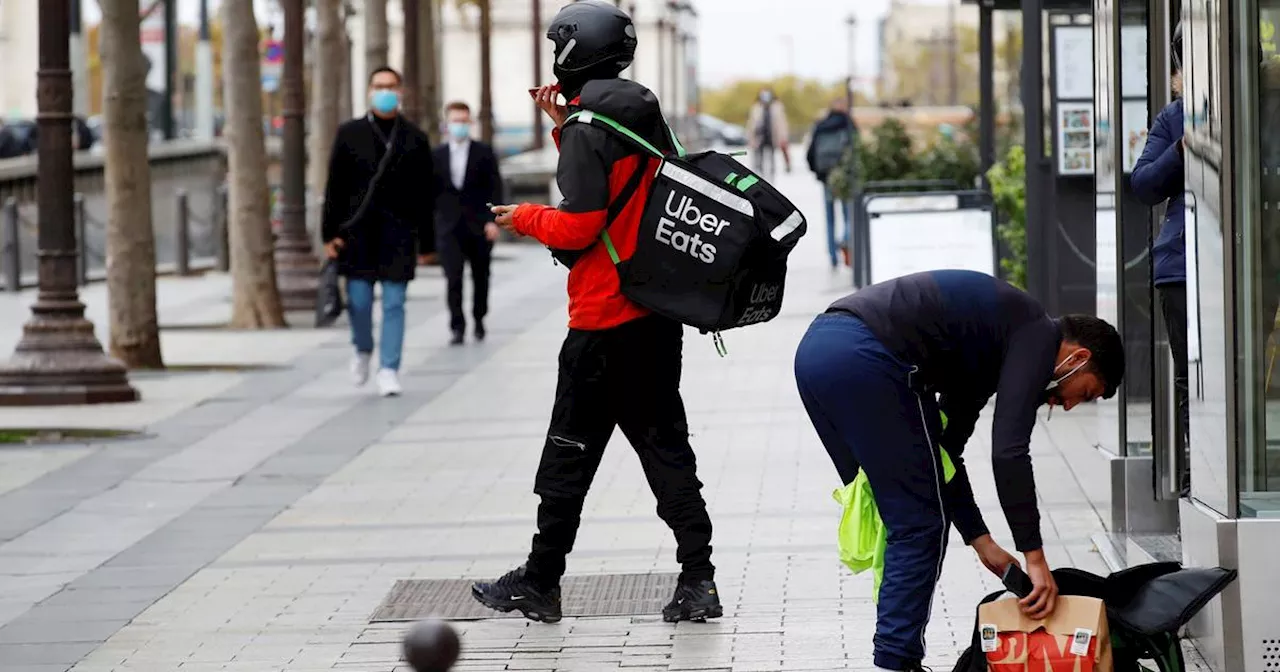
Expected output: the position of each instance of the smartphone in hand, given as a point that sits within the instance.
(1017, 581)
(533, 93)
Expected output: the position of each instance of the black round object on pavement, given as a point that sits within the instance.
(431, 646)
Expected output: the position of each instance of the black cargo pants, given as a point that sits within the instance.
(628, 377)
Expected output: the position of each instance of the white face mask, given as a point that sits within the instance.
(1057, 381)
(1054, 383)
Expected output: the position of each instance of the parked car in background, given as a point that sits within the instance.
(720, 132)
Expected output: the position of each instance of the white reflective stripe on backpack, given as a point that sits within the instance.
(709, 189)
(787, 226)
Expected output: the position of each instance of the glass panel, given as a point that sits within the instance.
(1259, 462)
(1134, 230)
(1205, 264)
(1106, 260)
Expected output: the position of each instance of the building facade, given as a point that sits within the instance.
(665, 59)
(1230, 515)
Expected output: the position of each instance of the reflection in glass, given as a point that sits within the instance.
(1134, 231)
(1259, 462)
(1207, 325)
(1105, 210)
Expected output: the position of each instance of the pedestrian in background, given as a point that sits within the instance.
(467, 181)
(377, 221)
(833, 136)
(767, 132)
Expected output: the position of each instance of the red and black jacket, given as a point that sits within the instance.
(594, 169)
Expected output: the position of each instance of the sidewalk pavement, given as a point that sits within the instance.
(265, 514)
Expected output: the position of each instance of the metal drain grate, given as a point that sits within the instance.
(595, 595)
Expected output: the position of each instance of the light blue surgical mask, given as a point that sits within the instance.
(459, 130)
(385, 101)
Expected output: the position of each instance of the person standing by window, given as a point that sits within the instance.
(377, 221)
(1158, 177)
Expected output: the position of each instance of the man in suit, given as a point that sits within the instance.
(467, 180)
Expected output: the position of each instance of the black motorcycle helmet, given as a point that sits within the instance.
(593, 39)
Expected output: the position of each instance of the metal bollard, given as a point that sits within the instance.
(82, 241)
(221, 219)
(12, 248)
(182, 232)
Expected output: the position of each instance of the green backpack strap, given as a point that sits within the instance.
(601, 121)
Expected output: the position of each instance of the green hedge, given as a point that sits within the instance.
(890, 154)
(1008, 179)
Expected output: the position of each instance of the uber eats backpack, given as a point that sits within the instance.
(712, 245)
(1146, 607)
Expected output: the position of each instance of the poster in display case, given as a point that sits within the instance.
(1075, 138)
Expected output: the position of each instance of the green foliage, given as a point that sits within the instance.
(890, 154)
(1008, 179)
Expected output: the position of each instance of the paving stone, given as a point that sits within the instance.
(264, 525)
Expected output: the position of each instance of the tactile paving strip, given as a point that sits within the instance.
(594, 595)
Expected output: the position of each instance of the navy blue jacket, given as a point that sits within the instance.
(1158, 177)
(971, 336)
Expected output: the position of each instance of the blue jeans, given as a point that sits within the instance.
(859, 397)
(360, 313)
(834, 245)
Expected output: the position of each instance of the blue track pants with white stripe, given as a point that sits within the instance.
(861, 402)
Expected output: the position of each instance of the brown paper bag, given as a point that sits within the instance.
(1073, 639)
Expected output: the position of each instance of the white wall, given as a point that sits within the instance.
(19, 51)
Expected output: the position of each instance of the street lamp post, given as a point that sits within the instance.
(59, 359)
(297, 270)
(538, 141)
(852, 22)
(204, 77)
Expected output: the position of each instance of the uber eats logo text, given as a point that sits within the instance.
(682, 210)
(762, 304)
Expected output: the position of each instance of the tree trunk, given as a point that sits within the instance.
(375, 34)
(429, 73)
(344, 94)
(255, 299)
(486, 72)
(131, 243)
(326, 92)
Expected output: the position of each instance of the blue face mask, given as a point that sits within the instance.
(385, 101)
(459, 131)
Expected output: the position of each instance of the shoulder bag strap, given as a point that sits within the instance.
(377, 176)
(633, 182)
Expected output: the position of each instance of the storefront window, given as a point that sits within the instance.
(1134, 232)
(1204, 242)
(1105, 207)
(1259, 458)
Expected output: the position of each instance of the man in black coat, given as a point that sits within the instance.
(467, 181)
(378, 221)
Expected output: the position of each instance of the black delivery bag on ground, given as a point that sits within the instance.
(1147, 605)
(711, 251)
